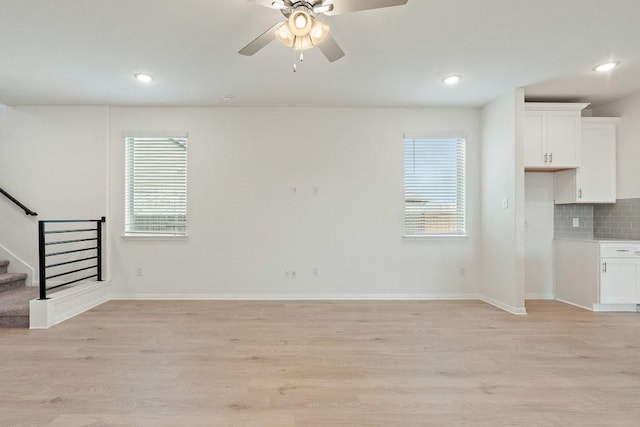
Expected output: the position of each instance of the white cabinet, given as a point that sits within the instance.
(599, 276)
(619, 273)
(594, 181)
(552, 135)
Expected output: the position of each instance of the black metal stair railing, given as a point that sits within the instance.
(81, 248)
(26, 210)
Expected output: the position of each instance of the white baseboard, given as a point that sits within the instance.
(65, 304)
(620, 308)
(319, 297)
(545, 297)
(573, 304)
(520, 311)
(296, 297)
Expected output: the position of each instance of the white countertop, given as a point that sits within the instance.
(599, 240)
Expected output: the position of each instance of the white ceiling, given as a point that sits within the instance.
(80, 52)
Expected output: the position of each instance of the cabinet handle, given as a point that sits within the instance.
(551, 158)
(580, 193)
(546, 158)
(622, 250)
(604, 267)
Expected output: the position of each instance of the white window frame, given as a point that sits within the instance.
(415, 226)
(175, 222)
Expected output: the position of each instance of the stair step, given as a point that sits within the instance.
(10, 281)
(4, 264)
(14, 307)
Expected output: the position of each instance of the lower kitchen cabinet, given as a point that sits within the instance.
(598, 275)
(619, 273)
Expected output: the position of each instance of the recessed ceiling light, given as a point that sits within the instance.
(452, 80)
(603, 68)
(144, 78)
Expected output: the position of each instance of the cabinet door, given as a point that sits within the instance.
(565, 187)
(619, 280)
(563, 136)
(596, 176)
(534, 139)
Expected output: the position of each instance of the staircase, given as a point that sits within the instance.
(14, 298)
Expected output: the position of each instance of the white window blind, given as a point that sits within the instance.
(434, 187)
(156, 186)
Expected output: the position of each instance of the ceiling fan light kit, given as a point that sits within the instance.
(302, 30)
(312, 34)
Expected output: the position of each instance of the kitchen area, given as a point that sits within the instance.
(582, 204)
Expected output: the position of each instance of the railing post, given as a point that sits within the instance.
(99, 247)
(42, 260)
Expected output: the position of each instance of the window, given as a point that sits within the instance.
(434, 187)
(156, 186)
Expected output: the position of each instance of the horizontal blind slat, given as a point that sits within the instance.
(156, 185)
(434, 186)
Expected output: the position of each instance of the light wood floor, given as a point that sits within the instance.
(204, 363)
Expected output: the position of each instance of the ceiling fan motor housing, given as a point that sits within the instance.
(306, 6)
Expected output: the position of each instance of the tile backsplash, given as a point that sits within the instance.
(617, 221)
(563, 221)
(601, 221)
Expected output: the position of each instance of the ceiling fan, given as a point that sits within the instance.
(302, 30)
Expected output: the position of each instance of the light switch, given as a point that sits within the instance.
(505, 203)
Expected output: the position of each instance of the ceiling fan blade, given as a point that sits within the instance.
(270, 3)
(322, 7)
(265, 3)
(261, 41)
(329, 47)
(347, 6)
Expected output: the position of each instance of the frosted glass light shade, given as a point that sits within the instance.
(300, 23)
(315, 34)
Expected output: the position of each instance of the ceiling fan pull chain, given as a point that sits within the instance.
(295, 67)
(294, 48)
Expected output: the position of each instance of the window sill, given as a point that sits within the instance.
(436, 237)
(155, 236)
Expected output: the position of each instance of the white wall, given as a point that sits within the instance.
(54, 160)
(502, 174)
(539, 210)
(628, 177)
(245, 228)
(3, 134)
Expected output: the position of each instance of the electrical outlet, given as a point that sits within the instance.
(462, 272)
(315, 191)
(139, 271)
(286, 274)
(576, 222)
(294, 275)
(315, 272)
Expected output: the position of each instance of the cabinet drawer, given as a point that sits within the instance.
(622, 250)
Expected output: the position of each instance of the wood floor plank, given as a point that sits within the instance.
(351, 363)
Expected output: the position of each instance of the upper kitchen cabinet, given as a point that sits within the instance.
(595, 180)
(552, 135)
